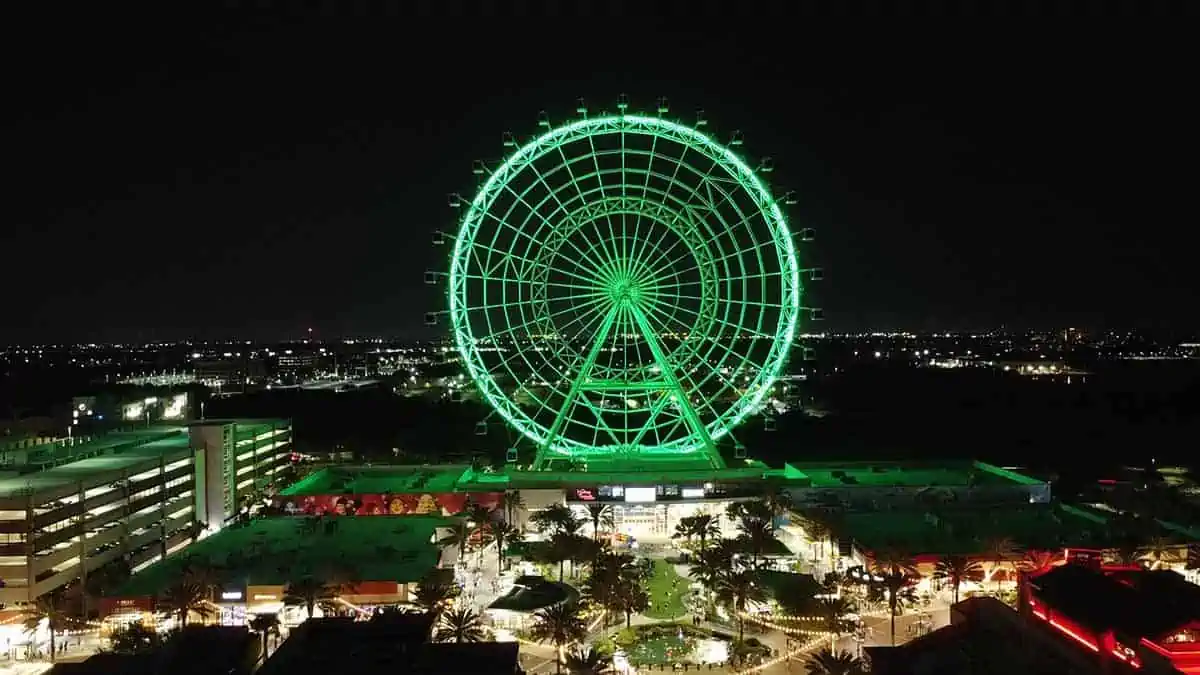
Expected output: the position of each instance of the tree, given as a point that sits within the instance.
(48, 608)
(187, 597)
(308, 591)
(134, 638)
(604, 586)
(601, 515)
(712, 564)
(736, 591)
(899, 575)
(460, 534)
(1036, 561)
(559, 625)
(587, 661)
(833, 613)
(705, 527)
(757, 536)
(955, 569)
(1160, 552)
(1002, 550)
(513, 505)
(459, 625)
(631, 598)
(555, 519)
(504, 533)
(829, 662)
(265, 625)
(433, 593)
(777, 500)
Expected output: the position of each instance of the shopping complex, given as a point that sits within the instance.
(379, 526)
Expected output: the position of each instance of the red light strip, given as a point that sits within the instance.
(1078, 638)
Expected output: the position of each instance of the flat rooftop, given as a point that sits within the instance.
(460, 477)
(379, 480)
(909, 474)
(275, 551)
(110, 453)
(968, 531)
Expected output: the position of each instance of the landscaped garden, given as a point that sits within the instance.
(667, 592)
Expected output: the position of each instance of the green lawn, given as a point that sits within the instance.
(667, 590)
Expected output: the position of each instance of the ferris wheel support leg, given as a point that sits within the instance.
(542, 459)
(668, 374)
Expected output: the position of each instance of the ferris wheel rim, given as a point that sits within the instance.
(766, 206)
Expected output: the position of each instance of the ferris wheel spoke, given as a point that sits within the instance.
(534, 212)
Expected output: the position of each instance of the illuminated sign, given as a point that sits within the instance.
(585, 494)
(231, 595)
(641, 494)
(263, 596)
(692, 493)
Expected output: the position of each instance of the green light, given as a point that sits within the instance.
(632, 282)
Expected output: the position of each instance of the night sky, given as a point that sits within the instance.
(252, 173)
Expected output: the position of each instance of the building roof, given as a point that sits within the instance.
(386, 644)
(531, 593)
(909, 474)
(980, 641)
(1135, 604)
(379, 480)
(275, 551)
(105, 455)
(969, 531)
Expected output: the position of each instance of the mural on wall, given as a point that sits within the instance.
(429, 503)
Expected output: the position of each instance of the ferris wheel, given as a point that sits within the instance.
(624, 286)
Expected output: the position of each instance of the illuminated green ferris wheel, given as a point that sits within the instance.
(623, 286)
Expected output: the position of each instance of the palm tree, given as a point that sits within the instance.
(265, 625)
(48, 608)
(757, 535)
(705, 526)
(778, 501)
(187, 597)
(460, 534)
(833, 612)
(308, 591)
(713, 563)
(555, 519)
(504, 533)
(460, 625)
(588, 661)
(829, 662)
(559, 625)
(1002, 550)
(736, 591)
(433, 593)
(1161, 551)
(631, 598)
(684, 529)
(513, 505)
(955, 569)
(601, 515)
(603, 586)
(899, 575)
(1036, 561)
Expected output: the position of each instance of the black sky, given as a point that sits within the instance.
(253, 172)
